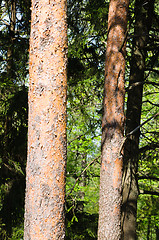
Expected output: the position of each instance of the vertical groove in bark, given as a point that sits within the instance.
(143, 17)
(45, 182)
(109, 226)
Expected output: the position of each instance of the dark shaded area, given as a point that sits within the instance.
(13, 204)
(13, 150)
(81, 225)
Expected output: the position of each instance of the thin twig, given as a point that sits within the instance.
(77, 137)
(77, 179)
(135, 130)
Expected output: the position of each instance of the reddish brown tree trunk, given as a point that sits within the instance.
(45, 182)
(113, 124)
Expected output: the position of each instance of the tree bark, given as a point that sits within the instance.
(109, 226)
(45, 181)
(143, 19)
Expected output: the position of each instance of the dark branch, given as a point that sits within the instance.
(141, 83)
(149, 192)
(135, 130)
(138, 127)
(154, 104)
(152, 83)
(134, 85)
(148, 177)
(149, 147)
(152, 70)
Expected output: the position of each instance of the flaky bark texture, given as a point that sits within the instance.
(45, 182)
(113, 124)
(143, 20)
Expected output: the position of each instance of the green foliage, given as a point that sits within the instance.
(148, 217)
(13, 116)
(148, 172)
(87, 34)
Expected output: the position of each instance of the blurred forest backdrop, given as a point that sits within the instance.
(87, 36)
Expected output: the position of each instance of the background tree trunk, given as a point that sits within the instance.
(45, 182)
(143, 19)
(113, 124)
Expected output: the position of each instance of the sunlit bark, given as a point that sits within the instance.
(45, 182)
(113, 124)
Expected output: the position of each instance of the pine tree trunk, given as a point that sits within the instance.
(143, 17)
(45, 182)
(113, 124)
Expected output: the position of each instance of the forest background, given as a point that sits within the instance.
(87, 36)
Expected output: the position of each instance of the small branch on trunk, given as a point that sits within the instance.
(149, 192)
(154, 104)
(134, 85)
(152, 83)
(152, 70)
(141, 83)
(138, 127)
(148, 147)
(148, 177)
